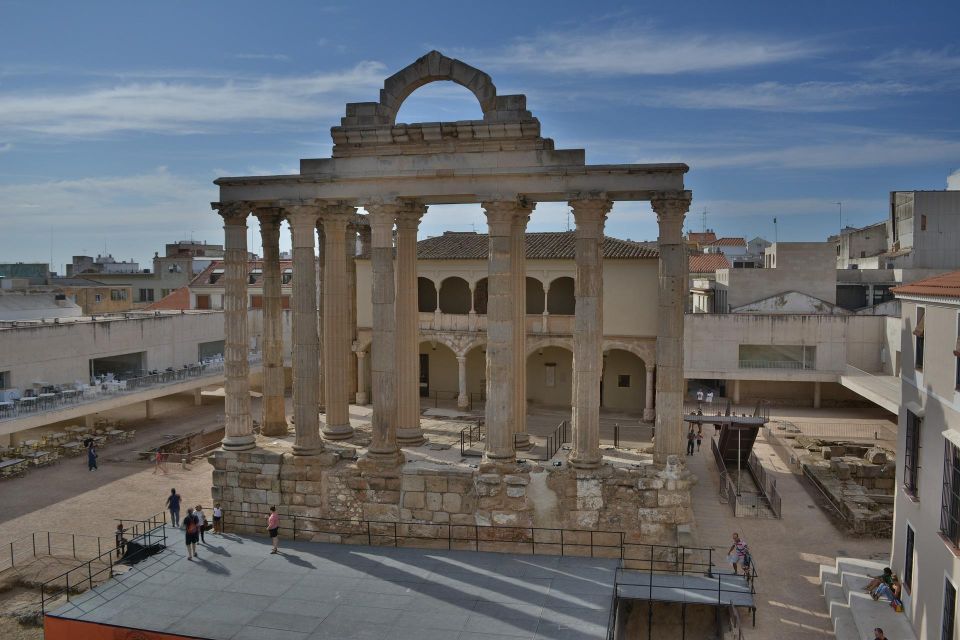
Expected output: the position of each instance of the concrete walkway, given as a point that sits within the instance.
(788, 552)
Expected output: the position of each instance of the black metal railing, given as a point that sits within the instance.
(470, 435)
(644, 431)
(556, 439)
(81, 578)
(764, 503)
(24, 550)
(453, 396)
(766, 482)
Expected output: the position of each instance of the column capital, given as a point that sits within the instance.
(302, 215)
(269, 217)
(408, 217)
(670, 204)
(233, 213)
(590, 208)
(507, 211)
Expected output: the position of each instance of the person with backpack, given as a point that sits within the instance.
(191, 528)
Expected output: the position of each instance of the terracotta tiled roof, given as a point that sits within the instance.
(178, 299)
(708, 262)
(946, 285)
(553, 245)
(217, 267)
(701, 238)
(728, 242)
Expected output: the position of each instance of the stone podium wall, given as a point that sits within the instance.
(646, 503)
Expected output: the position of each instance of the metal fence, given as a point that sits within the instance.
(767, 484)
(861, 431)
(777, 364)
(765, 503)
(470, 435)
(25, 550)
(439, 396)
(634, 434)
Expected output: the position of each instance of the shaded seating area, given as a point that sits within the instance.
(50, 447)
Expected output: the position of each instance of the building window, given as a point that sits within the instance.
(287, 276)
(216, 275)
(949, 610)
(203, 302)
(146, 295)
(773, 356)
(623, 381)
(923, 222)
(550, 374)
(918, 339)
(912, 454)
(254, 275)
(950, 503)
(908, 561)
(4, 380)
(97, 297)
(118, 295)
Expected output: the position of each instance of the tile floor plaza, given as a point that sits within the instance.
(237, 590)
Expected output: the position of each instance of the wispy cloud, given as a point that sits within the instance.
(645, 50)
(187, 106)
(777, 96)
(915, 62)
(278, 57)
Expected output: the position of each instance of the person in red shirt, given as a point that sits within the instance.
(273, 527)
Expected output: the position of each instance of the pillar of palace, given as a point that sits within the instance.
(409, 432)
(590, 215)
(273, 421)
(321, 245)
(518, 268)
(361, 377)
(350, 251)
(648, 411)
(671, 208)
(238, 427)
(337, 335)
(502, 372)
(383, 444)
(306, 341)
(463, 398)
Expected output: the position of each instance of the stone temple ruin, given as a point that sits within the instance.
(394, 172)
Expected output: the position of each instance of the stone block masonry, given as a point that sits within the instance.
(645, 503)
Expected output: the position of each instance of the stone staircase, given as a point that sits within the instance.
(853, 612)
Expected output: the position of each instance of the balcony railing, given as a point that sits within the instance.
(777, 364)
(66, 396)
(536, 323)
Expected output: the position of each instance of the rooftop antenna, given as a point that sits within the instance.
(51, 247)
(703, 218)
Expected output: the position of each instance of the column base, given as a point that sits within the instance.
(585, 462)
(362, 398)
(493, 456)
(649, 415)
(463, 402)
(521, 441)
(410, 437)
(311, 450)
(382, 458)
(336, 432)
(239, 443)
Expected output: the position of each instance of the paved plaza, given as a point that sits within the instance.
(238, 590)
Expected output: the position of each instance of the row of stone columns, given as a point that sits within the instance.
(395, 351)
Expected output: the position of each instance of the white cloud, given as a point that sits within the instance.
(916, 62)
(776, 96)
(645, 51)
(187, 106)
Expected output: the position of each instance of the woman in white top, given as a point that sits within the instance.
(217, 519)
(202, 520)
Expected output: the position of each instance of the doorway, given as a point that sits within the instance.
(424, 375)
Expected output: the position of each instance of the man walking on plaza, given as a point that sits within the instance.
(173, 505)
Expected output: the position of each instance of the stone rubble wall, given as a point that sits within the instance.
(430, 504)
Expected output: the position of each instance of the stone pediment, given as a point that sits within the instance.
(370, 128)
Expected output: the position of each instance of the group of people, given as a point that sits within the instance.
(195, 523)
(886, 585)
(694, 438)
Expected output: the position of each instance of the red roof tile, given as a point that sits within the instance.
(701, 237)
(177, 300)
(708, 262)
(728, 242)
(946, 285)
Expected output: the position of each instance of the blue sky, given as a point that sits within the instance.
(116, 116)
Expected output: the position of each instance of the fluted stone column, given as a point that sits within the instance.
(502, 373)
(361, 377)
(350, 250)
(670, 207)
(321, 247)
(383, 445)
(518, 267)
(463, 398)
(238, 427)
(337, 337)
(306, 342)
(409, 432)
(274, 418)
(648, 411)
(590, 215)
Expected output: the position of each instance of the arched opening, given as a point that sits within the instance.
(550, 377)
(455, 296)
(438, 371)
(624, 383)
(440, 101)
(561, 299)
(426, 295)
(480, 296)
(534, 296)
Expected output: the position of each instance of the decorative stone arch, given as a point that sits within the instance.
(435, 67)
(534, 344)
(455, 295)
(646, 352)
(427, 294)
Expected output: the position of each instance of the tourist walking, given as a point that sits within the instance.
(738, 554)
(91, 457)
(191, 529)
(121, 540)
(273, 527)
(173, 505)
(699, 436)
(217, 519)
(202, 519)
(159, 463)
(691, 437)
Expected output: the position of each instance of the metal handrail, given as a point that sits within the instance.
(144, 530)
(46, 543)
(467, 437)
